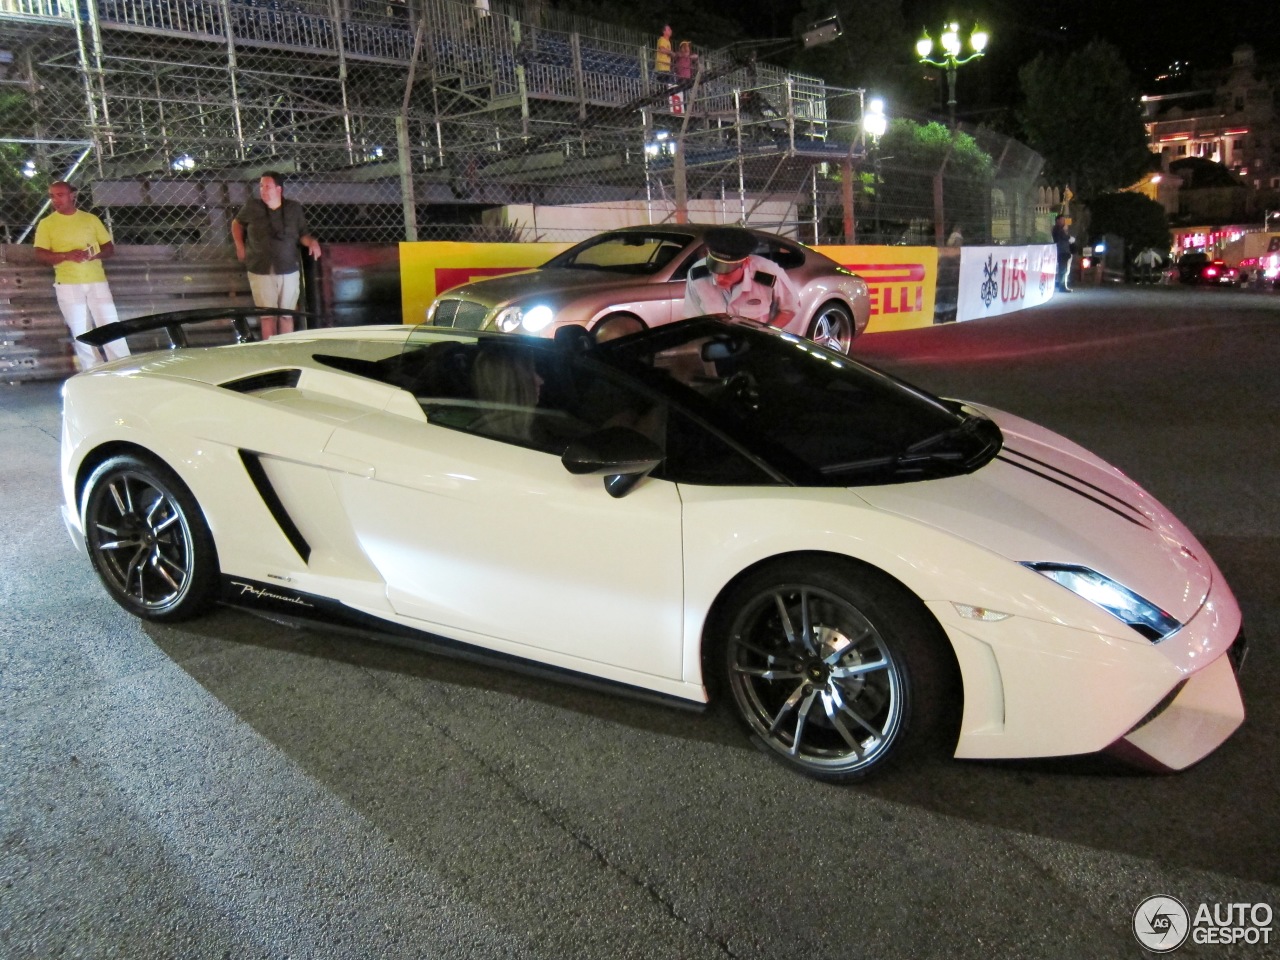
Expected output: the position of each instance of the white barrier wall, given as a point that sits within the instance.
(997, 280)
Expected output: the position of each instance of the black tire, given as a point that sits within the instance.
(875, 681)
(617, 325)
(832, 327)
(148, 540)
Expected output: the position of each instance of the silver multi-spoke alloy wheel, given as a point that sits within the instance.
(815, 680)
(833, 328)
(147, 539)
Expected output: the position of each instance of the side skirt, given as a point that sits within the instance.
(297, 609)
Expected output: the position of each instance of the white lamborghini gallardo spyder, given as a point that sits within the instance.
(704, 510)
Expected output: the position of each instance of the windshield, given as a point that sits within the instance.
(818, 417)
(633, 254)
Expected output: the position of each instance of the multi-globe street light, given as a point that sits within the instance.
(952, 47)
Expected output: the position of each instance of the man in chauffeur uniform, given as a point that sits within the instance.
(733, 280)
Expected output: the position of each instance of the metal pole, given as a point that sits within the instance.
(95, 35)
(846, 198)
(336, 13)
(645, 140)
(742, 181)
(231, 73)
(90, 101)
(403, 151)
(680, 173)
(791, 118)
(875, 166)
(951, 91)
(816, 241)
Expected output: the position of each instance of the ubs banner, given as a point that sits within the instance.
(996, 280)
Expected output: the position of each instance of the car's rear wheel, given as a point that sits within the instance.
(148, 539)
(832, 328)
(617, 325)
(834, 669)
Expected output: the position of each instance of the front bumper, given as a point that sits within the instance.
(1206, 710)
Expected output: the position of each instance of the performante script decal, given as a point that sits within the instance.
(258, 593)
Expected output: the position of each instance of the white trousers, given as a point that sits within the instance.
(85, 306)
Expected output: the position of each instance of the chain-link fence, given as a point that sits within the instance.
(434, 119)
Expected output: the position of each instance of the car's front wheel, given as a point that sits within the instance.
(833, 668)
(833, 328)
(148, 539)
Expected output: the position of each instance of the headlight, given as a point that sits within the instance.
(508, 320)
(529, 319)
(537, 318)
(1121, 602)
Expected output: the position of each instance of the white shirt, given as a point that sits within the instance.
(753, 297)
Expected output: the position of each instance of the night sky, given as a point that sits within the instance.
(1150, 35)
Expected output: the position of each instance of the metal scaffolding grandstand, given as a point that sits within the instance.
(400, 118)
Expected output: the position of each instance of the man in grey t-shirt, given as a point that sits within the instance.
(267, 233)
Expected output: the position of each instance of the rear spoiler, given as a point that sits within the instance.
(173, 322)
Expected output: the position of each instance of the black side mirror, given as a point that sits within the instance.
(622, 456)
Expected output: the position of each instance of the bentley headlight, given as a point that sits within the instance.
(532, 319)
(508, 320)
(1119, 601)
(537, 318)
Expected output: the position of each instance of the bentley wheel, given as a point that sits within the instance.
(833, 328)
(617, 325)
(827, 666)
(148, 540)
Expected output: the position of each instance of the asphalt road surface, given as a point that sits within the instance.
(233, 788)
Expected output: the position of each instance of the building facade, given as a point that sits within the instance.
(1229, 116)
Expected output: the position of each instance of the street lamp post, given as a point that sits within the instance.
(952, 47)
(874, 124)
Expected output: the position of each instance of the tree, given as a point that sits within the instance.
(914, 154)
(21, 192)
(1197, 173)
(1138, 219)
(1083, 115)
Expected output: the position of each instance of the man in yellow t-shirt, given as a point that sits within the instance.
(75, 242)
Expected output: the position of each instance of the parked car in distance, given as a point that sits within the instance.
(1200, 268)
(627, 280)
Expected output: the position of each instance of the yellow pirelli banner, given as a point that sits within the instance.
(428, 269)
(902, 280)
